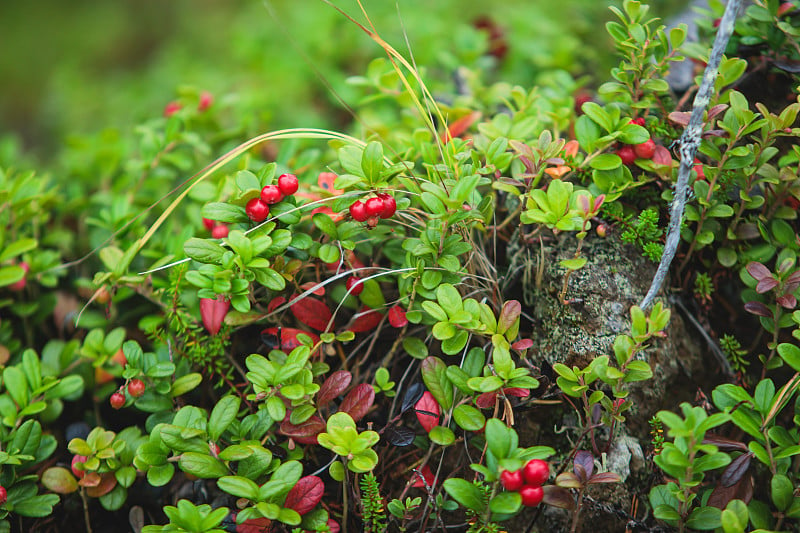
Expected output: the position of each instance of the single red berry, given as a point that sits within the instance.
(531, 495)
(75, 460)
(172, 108)
(512, 480)
(645, 150)
(581, 99)
(374, 207)
(220, 231)
(136, 388)
(389, 205)
(257, 210)
(716, 22)
(3, 495)
(354, 285)
(17, 286)
(209, 224)
(639, 121)
(627, 154)
(271, 194)
(117, 400)
(536, 472)
(602, 230)
(206, 99)
(288, 184)
(358, 211)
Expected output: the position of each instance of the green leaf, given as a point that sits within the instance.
(573, 264)
(790, 354)
(465, 493)
(202, 466)
(415, 347)
(434, 375)
(239, 486)
(449, 299)
(160, 475)
(606, 162)
(325, 225)
(705, 518)
(781, 491)
(204, 250)
(502, 441)
(468, 417)
(223, 414)
(17, 248)
(442, 436)
(506, 503)
(223, 212)
(372, 161)
(186, 383)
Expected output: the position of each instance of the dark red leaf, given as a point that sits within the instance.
(365, 320)
(758, 271)
(306, 432)
(288, 340)
(319, 291)
(605, 477)
(758, 309)
(736, 470)
(213, 312)
(585, 461)
(722, 495)
(358, 401)
(254, 525)
(397, 317)
(662, 156)
(508, 315)
(725, 444)
(428, 411)
(516, 391)
(312, 312)
(766, 285)
(275, 303)
(792, 282)
(522, 344)
(423, 477)
(787, 301)
(486, 400)
(305, 495)
(333, 525)
(333, 386)
(558, 497)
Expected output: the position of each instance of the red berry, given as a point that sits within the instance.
(172, 108)
(374, 207)
(531, 495)
(206, 99)
(257, 210)
(627, 154)
(716, 22)
(220, 231)
(75, 460)
(17, 286)
(288, 184)
(209, 224)
(536, 472)
(136, 388)
(3, 495)
(638, 121)
(512, 480)
(117, 400)
(354, 285)
(358, 211)
(271, 194)
(389, 205)
(645, 150)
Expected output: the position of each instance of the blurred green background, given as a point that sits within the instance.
(83, 66)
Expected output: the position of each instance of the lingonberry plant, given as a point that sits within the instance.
(322, 326)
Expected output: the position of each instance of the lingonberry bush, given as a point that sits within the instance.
(320, 326)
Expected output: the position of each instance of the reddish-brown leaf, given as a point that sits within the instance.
(306, 432)
(365, 320)
(288, 340)
(725, 444)
(254, 525)
(508, 315)
(459, 126)
(319, 291)
(583, 465)
(787, 301)
(558, 497)
(486, 400)
(305, 495)
(721, 495)
(522, 344)
(312, 312)
(107, 483)
(333, 386)
(333, 525)
(358, 401)
(766, 285)
(516, 391)
(213, 312)
(758, 271)
(428, 411)
(275, 303)
(736, 470)
(397, 317)
(605, 477)
(758, 309)
(423, 477)
(662, 156)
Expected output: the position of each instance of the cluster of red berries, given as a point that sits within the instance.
(629, 152)
(257, 209)
(527, 481)
(219, 230)
(136, 388)
(381, 206)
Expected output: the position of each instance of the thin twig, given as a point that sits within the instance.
(689, 142)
